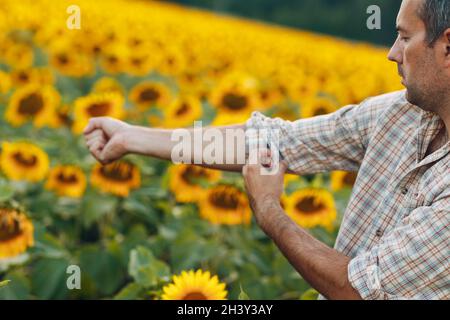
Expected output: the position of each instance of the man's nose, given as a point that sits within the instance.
(395, 54)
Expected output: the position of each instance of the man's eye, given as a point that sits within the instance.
(404, 39)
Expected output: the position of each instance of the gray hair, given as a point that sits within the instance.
(436, 16)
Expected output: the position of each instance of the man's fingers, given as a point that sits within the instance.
(94, 123)
(96, 153)
(93, 134)
(96, 146)
(108, 153)
(90, 142)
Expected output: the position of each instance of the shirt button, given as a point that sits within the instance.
(405, 191)
(379, 233)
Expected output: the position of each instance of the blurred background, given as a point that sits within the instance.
(141, 228)
(342, 18)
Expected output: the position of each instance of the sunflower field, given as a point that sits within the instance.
(142, 228)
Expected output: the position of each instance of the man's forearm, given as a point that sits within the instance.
(322, 267)
(158, 143)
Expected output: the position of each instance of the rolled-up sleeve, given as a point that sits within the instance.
(411, 262)
(335, 141)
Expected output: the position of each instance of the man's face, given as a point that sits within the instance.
(419, 65)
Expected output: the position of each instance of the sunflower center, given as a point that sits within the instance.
(320, 111)
(25, 160)
(23, 76)
(136, 62)
(234, 101)
(190, 77)
(350, 179)
(113, 59)
(308, 206)
(120, 172)
(192, 173)
(170, 61)
(63, 59)
(9, 228)
(31, 104)
(99, 109)
(224, 200)
(195, 296)
(149, 95)
(264, 95)
(183, 109)
(67, 179)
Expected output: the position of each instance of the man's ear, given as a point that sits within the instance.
(447, 38)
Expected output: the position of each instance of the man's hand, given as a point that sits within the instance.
(263, 190)
(107, 138)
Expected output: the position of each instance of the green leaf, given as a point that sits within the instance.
(131, 292)
(243, 295)
(95, 207)
(6, 191)
(146, 269)
(17, 288)
(309, 294)
(49, 278)
(103, 268)
(4, 283)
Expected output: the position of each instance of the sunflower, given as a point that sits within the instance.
(311, 207)
(5, 82)
(183, 112)
(19, 55)
(112, 60)
(23, 161)
(288, 178)
(117, 178)
(104, 104)
(342, 179)
(21, 77)
(62, 117)
(171, 62)
(185, 181)
(197, 285)
(32, 103)
(270, 96)
(69, 62)
(67, 181)
(226, 119)
(41, 76)
(140, 63)
(303, 89)
(191, 81)
(317, 107)
(287, 112)
(232, 99)
(148, 94)
(108, 84)
(16, 233)
(225, 204)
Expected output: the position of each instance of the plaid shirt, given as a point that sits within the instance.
(396, 225)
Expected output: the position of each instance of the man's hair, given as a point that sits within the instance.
(436, 16)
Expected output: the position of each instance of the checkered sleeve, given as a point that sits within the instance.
(335, 141)
(411, 262)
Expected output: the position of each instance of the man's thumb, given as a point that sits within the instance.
(107, 153)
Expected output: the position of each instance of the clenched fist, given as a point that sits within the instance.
(107, 138)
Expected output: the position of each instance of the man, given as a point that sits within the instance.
(394, 239)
